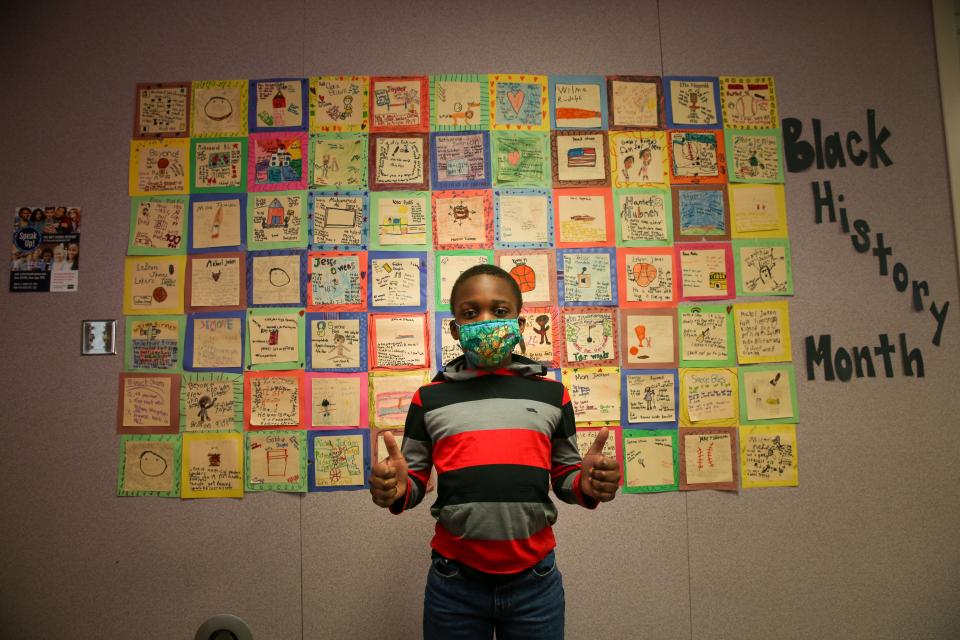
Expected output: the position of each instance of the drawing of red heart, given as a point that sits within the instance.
(513, 158)
(516, 98)
(216, 276)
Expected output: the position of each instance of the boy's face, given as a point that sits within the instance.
(484, 297)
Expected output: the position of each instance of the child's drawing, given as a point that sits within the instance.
(338, 280)
(460, 160)
(397, 281)
(579, 158)
(158, 225)
(651, 398)
(399, 104)
(459, 102)
(644, 217)
(218, 165)
(523, 218)
(399, 161)
(339, 103)
(588, 277)
(590, 336)
(463, 219)
(162, 110)
(275, 461)
(277, 161)
(692, 102)
(400, 220)
(648, 338)
(754, 156)
(521, 159)
(276, 220)
(219, 108)
(748, 103)
(636, 102)
(338, 220)
(638, 158)
(535, 272)
(701, 212)
(763, 267)
(696, 157)
(217, 222)
(339, 460)
(159, 167)
(278, 104)
(518, 102)
(578, 102)
(337, 341)
(338, 161)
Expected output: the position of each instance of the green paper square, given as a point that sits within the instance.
(755, 281)
(226, 414)
(175, 233)
(708, 324)
(746, 163)
(787, 378)
(376, 242)
(153, 468)
(636, 210)
(298, 362)
(241, 187)
(293, 478)
(481, 122)
(532, 168)
(338, 161)
(258, 222)
(145, 357)
(651, 433)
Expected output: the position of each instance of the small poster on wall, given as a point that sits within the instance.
(46, 249)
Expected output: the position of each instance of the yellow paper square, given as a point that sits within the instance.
(708, 397)
(153, 285)
(160, 167)
(757, 211)
(768, 456)
(638, 158)
(763, 332)
(212, 465)
(595, 394)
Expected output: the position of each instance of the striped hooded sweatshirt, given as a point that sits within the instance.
(498, 439)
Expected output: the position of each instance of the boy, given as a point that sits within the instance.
(499, 435)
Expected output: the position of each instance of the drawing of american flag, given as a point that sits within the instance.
(582, 157)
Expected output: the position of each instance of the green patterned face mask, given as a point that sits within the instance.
(488, 342)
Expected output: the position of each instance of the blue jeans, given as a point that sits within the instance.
(462, 604)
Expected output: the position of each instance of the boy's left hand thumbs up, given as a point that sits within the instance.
(600, 474)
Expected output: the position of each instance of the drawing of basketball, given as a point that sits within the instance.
(525, 276)
(644, 273)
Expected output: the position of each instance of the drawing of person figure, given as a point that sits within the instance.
(542, 321)
(646, 158)
(347, 107)
(627, 165)
(648, 396)
(339, 345)
(205, 403)
(329, 163)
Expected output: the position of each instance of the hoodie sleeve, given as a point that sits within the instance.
(418, 451)
(565, 459)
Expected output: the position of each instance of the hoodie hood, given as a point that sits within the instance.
(458, 369)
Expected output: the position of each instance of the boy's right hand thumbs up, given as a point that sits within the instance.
(388, 479)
